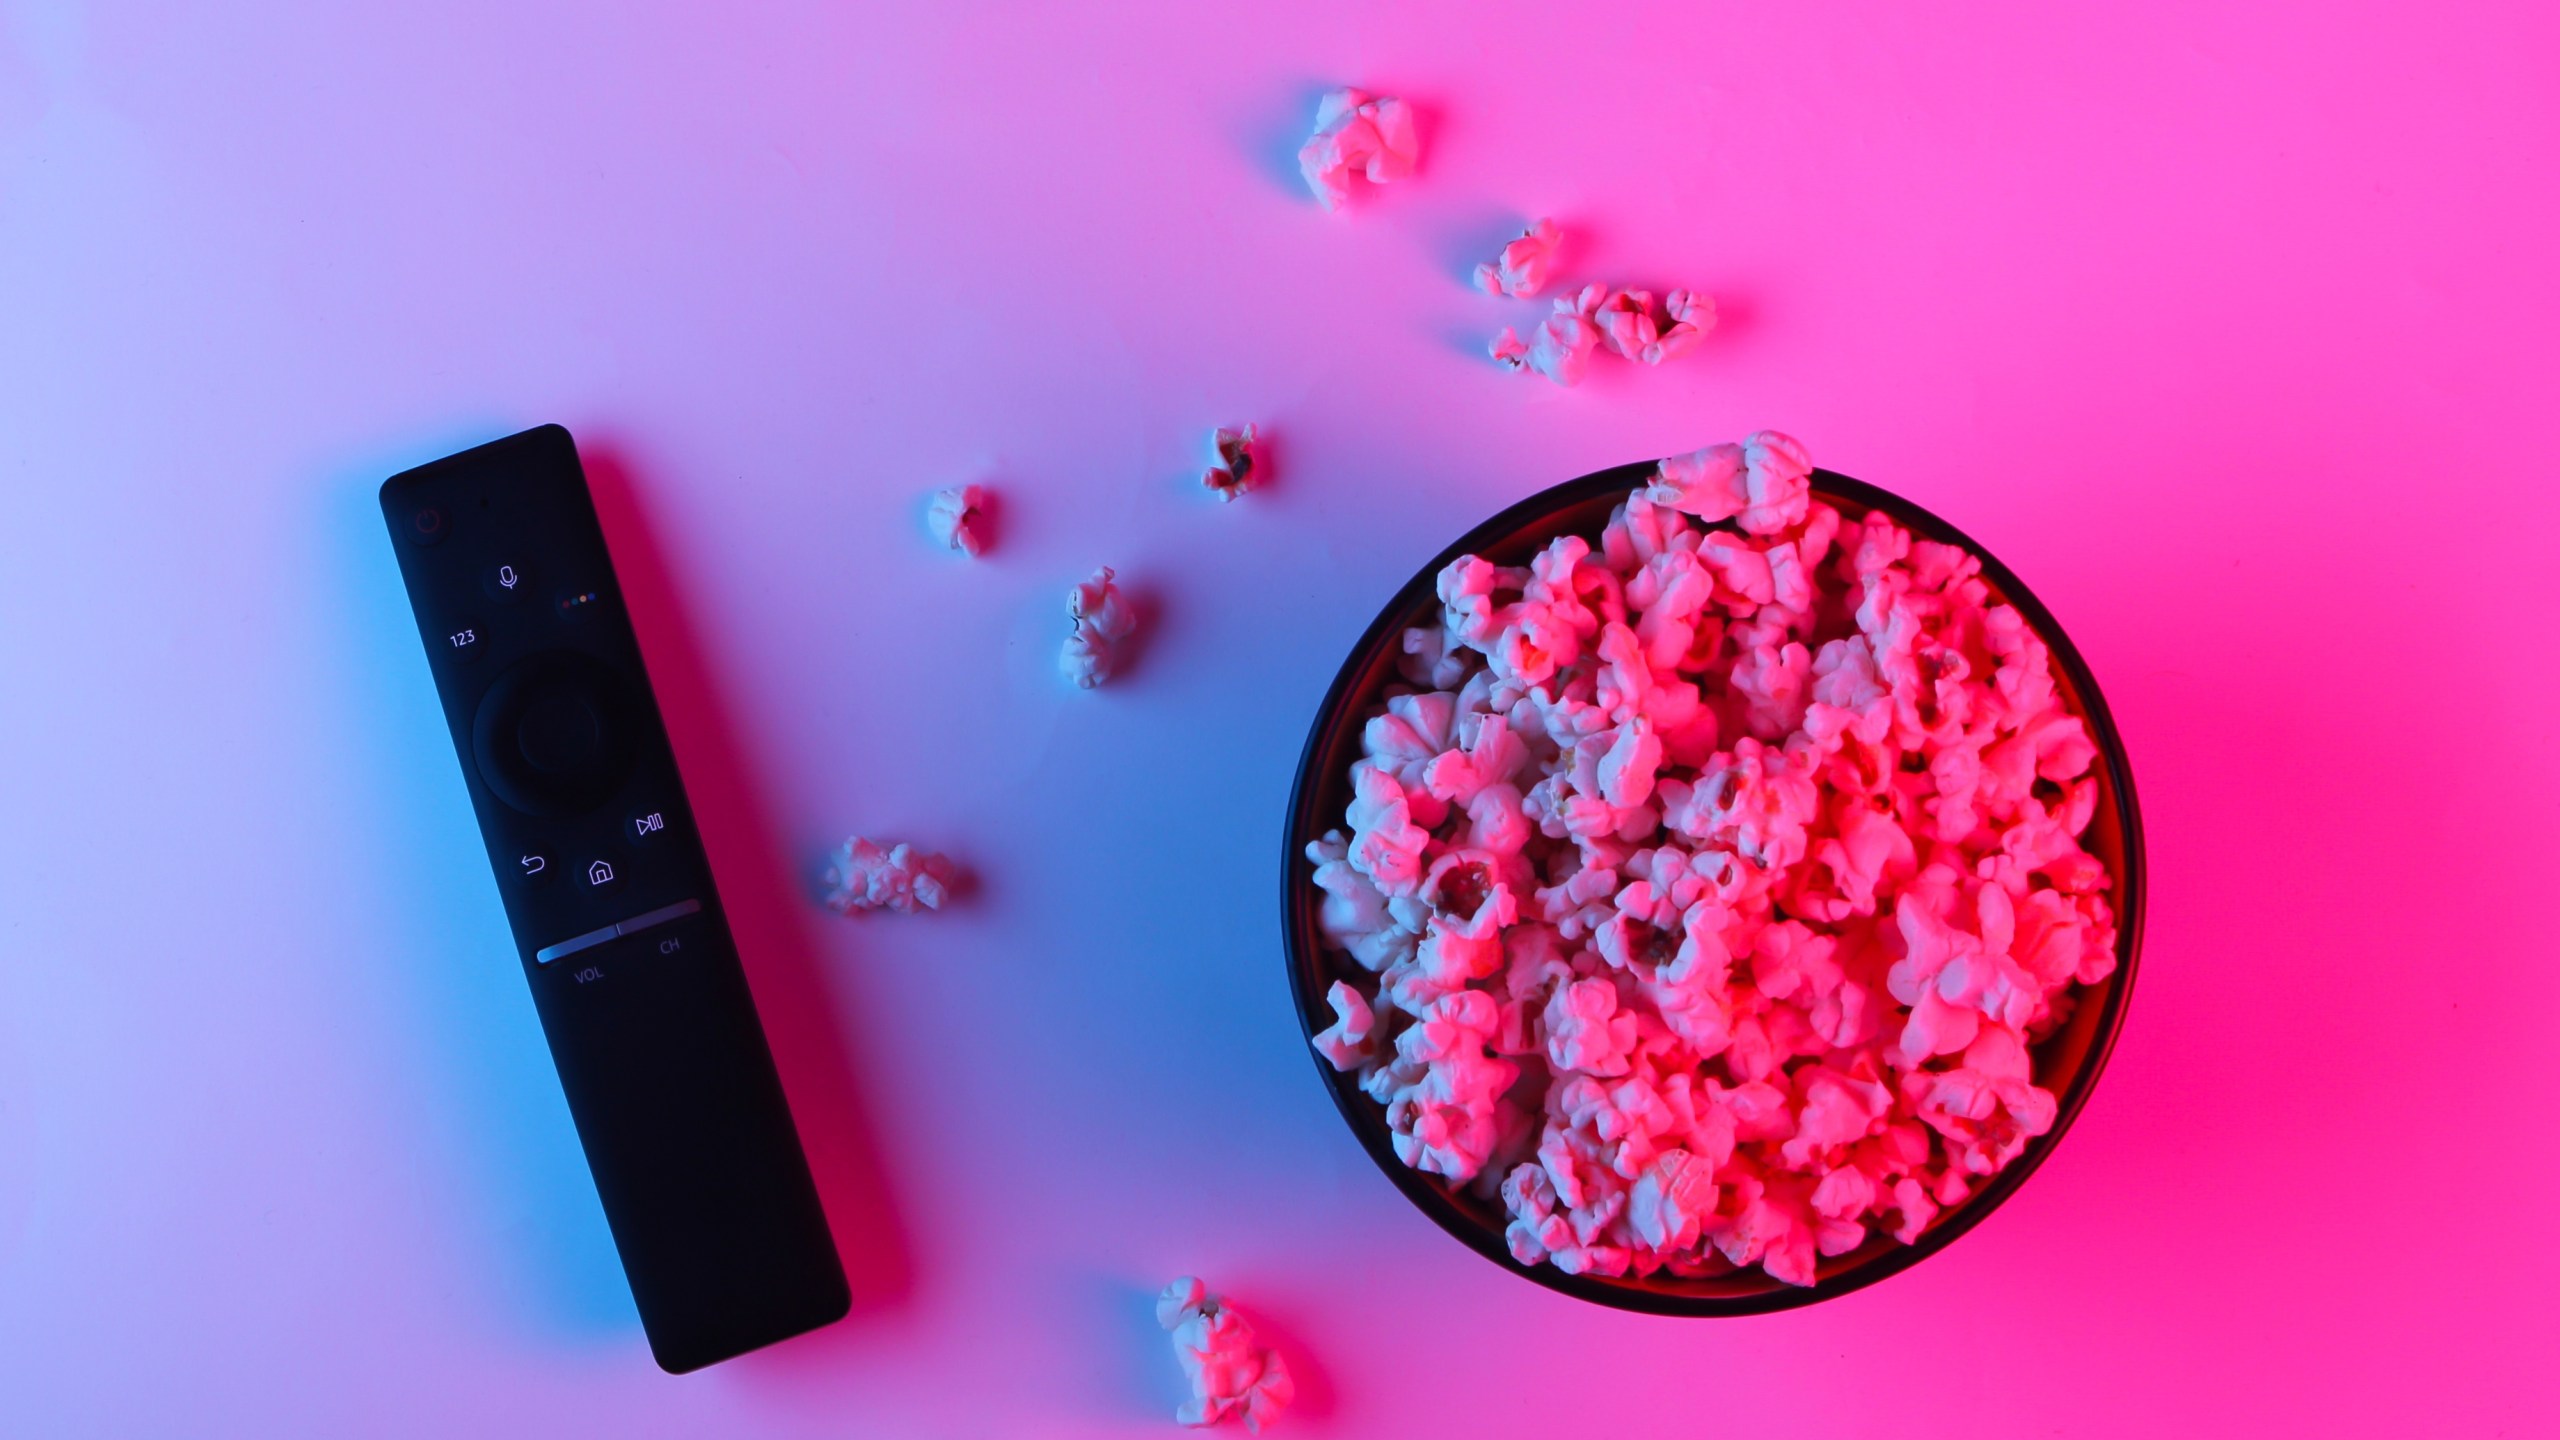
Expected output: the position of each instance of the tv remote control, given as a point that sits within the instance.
(616, 920)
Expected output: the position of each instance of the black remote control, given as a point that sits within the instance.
(620, 931)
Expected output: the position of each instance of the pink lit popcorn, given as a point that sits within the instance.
(1521, 269)
(1230, 1374)
(1623, 322)
(958, 518)
(1357, 134)
(900, 878)
(1235, 464)
(1630, 325)
(1706, 881)
(1560, 348)
(1102, 622)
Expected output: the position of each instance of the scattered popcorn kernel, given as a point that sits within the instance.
(1626, 323)
(1357, 133)
(1623, 322)
(1703, 897)
(903, 878)
(1102, 622)
(1521, 269)
(958, 518)
(1560, 348)
(1238, 464)
(1692, 315)
(1230, 1375)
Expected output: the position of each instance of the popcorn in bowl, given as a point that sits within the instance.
(1705, 885)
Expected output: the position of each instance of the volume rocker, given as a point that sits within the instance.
(632, 926)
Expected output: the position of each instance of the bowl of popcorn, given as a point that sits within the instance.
(1712, 885)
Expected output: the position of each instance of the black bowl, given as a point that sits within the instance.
(2067, 1063)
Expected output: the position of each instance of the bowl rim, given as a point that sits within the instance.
(1305, 955)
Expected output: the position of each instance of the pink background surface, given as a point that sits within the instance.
(2229, 328)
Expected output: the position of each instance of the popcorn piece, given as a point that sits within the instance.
(1625, 318)
(1705, 897)
(1586, 1032)
(1672, 1199)
(958, 518)
(1521, 269)
(1705, 483)
(1230, 1374)
(1238, 466)
(1987, 1109)
(1386, 844)
(1762, 484)
(1345, 1043)
(1775, 471)
(1356, 915)
(1102, 621)
(1444, 1085)
(1357, 133)
(1692, 315)
(864, 876)
(1559, 349)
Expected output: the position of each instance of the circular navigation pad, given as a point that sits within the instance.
(553, 736)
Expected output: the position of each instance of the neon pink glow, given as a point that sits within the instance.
(2228, 327)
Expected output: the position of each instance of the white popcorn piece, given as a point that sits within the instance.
(1521, 269)
(1762, 484)
(1236, 464)
(958, 518)
(1357, 133)
(1630, 326)
(1748, 842)
(865, 876)
(1625, 319)
(1345, 1043)
(1357, 916)
(1446, 1085)
(1692, 315)
(1672, 1199)
(1560, 348)
(1102, 620)
(1586, 1031)
(1230, 1374)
